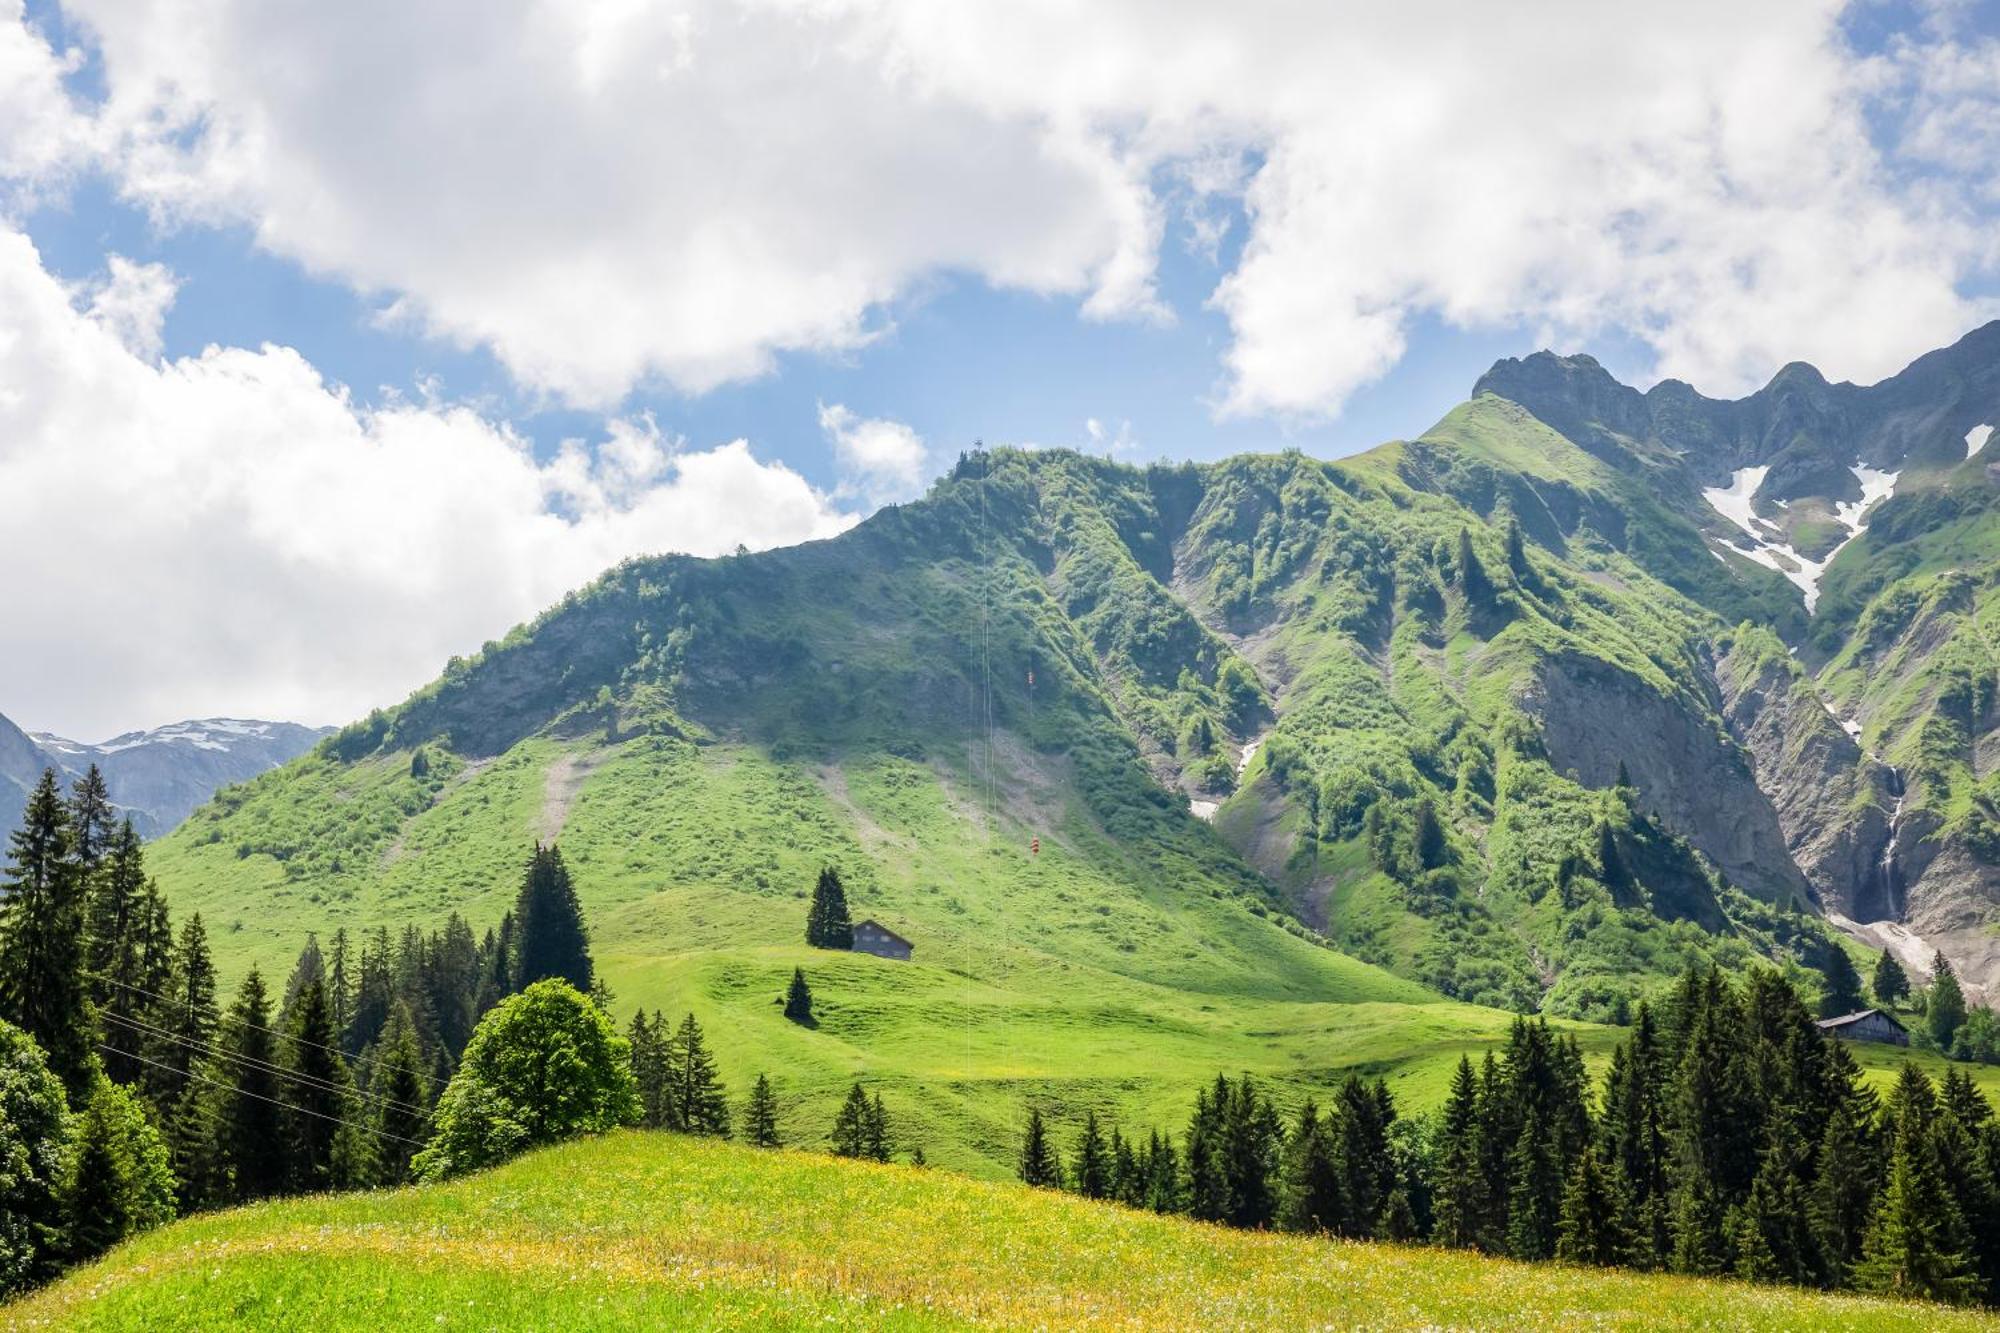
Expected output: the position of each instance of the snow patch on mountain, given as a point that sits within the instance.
(1768, 545)
(220, 734)
(1976, 438)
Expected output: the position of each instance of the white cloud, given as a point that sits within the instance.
(246, 540)
(42, 134)
(883, 460)
(605, 192)
(131, 303)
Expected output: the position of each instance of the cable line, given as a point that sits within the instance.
(313, 1081)
(275, 1032)
(245, 1092)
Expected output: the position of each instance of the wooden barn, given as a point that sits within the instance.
(876, 938)
(1868, 1025)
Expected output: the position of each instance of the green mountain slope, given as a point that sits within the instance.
(677, 1233)
(1511, 714)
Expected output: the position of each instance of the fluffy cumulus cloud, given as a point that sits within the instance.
(606, 192)
(883, 460)
(228, 533)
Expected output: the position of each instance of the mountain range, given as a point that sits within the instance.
(157, 777)
(1155, 764)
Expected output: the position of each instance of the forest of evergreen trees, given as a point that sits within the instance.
(1729, 1134)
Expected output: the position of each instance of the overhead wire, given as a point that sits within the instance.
(246, 1092)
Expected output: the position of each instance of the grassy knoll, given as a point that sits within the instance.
(642, 1230)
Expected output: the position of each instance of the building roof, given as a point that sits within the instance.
(871, 921)
(1846, 1020)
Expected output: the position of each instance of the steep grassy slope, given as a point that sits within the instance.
(675, 1233)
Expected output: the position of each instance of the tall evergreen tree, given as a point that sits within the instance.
(1846, 1177)
(827, 924)
(120, 1180)
(1311, 1189)
(850, 1125)
(1592, 1227)
(1944, 1007)
(653, 1069)
(326, 1148)
(401, 1095)
(699, 1104)
(250, 1134)
(42, 985)
(1091, 1174)
(374, 993)
(550, 939)
(1361, 1117)
(181, 1022)
(1038, 1166)
(1462, 1205)
(760, 1116)
(1892, 983)
(341, 980)
(1633, 1143)
(877, 1140)
(115, 955)
(93, 823)
(1916, 1244)
(310, 967)
(1843, 984)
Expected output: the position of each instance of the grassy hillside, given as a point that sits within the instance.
(658, 1231)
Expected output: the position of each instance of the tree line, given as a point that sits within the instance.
(1729, 1136)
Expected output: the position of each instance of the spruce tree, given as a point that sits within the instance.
(93, 824)
(1472, 579)
(850, 1125)
(1843, 984)
(1166, 1187)
(115, 955)
(182, 1021)
(1399, 1220)
(1944, 1007)
(799, 999)
(326, 1148)
(699, 1103)
(120, 1179)
(1311, 1199)
(1892, 983)
(42, 985)
(1592, 1229)
(1367, 1170)
(1091, 1174)
(310, 967)
(1461, 1206)
(550, 939)
(401, 1095)
(1038, 1161)
(250, 1133)
(652, 1069)
(760, 1116)
(827, 924)
(1128, 1179)
(876, 1138)
(1845, 1181)
(1916, 1245)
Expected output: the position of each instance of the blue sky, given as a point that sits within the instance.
(336, 339)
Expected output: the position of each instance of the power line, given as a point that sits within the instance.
(310, 1080)
(245, 1092)
(275, 1032)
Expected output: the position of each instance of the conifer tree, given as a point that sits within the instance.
(550, 939)
(401, 1095)
(1399, 1220)
(326, 1149)
(341, 980)
(1461, 1206)
(1892, 983)
(250, 1134)
(850, 1125)
(699, 1104)
(1472, 579)
(1208, 1195)
(1361, 1117)
(115, 955)
(93, 824)
(1128, 1179)
(120, 1179)
(1592, 1229)
(799, 999)
(828, 925)
(1772, 1232)
(1311, 1192)
(182, 1021)
(1843, 984)
(1038, 1161)
(1916, 1244)
(1251, 1139)
(1944, 1007)
(876, 1139)
(1091, 1174)
(1166, 1190)
(42, 986)
(652, 1069)
(1845, 1181)
(310, 967)
(374, 993)
(760, 1116)
(1633, 1142)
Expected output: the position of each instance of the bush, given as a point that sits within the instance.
(121, 1176)
(33, 1161)
(543, 1066)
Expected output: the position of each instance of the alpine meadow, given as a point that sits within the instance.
(945, 869)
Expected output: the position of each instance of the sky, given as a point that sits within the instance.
(337, 339)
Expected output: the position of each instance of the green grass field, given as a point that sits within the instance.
(656, 1231)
